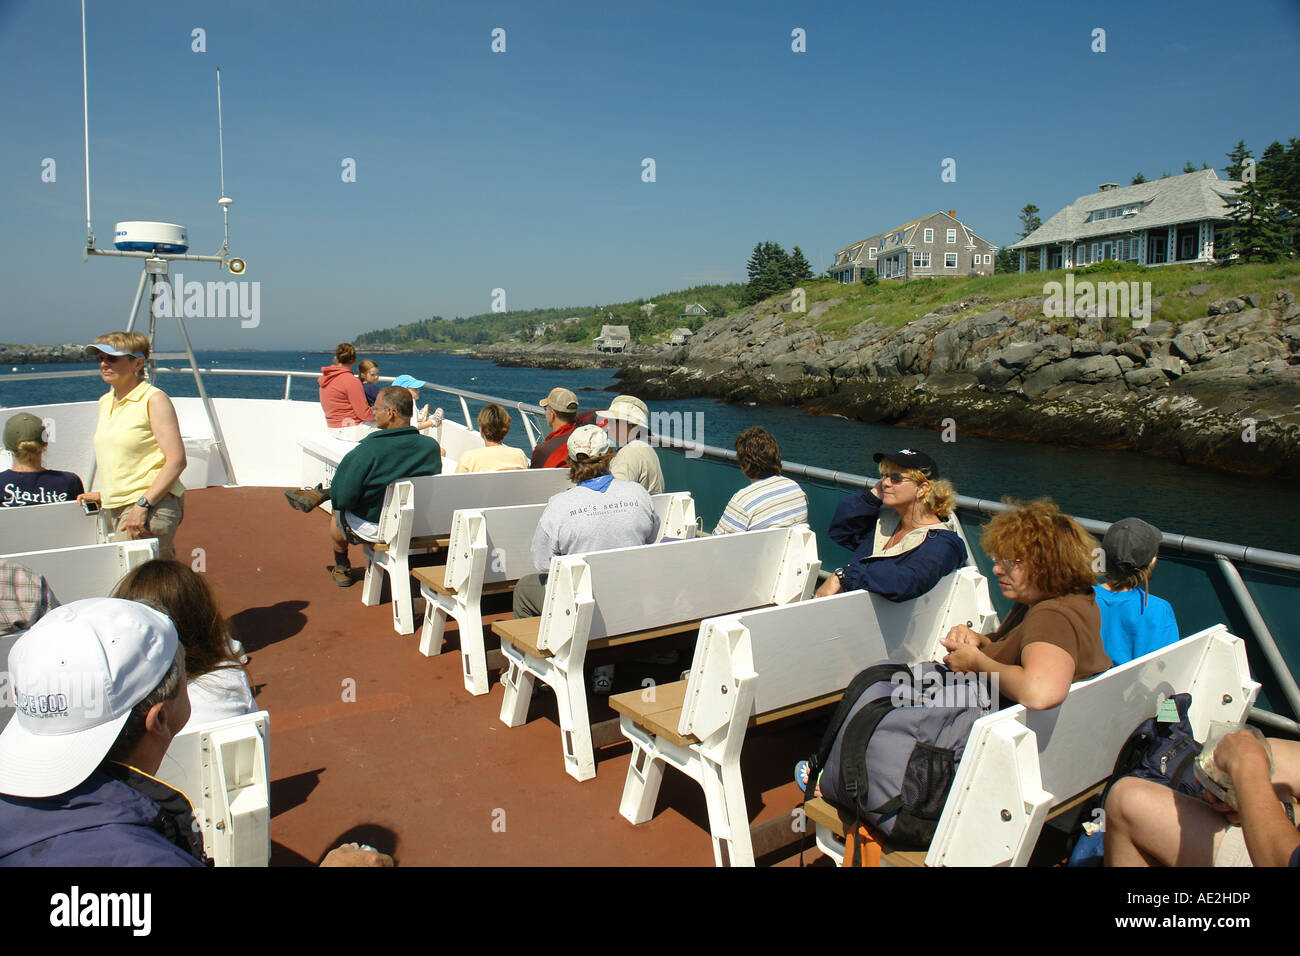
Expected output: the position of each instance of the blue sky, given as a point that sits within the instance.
(522, 170)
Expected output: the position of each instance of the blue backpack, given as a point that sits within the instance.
(1161, 751)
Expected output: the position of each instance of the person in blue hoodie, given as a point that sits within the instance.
(904, 552)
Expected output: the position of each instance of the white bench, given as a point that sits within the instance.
(762, 666)
(41, 527)
(223, 768)
(91, 570)
(492, 548)
(1019, 764)
(613, 598)
(417, 511)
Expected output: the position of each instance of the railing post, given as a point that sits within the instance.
(288, 381)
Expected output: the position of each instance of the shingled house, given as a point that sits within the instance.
(939, 244)
(613, 338)
(852, 261)
(1151, 223)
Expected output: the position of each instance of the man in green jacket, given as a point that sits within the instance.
(393, 452)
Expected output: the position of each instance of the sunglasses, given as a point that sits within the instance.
(897, 477)
(1009, 564)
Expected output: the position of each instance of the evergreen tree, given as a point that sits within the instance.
(1237, 160)
(1257, 233)
(769, 272)
(800, 269)
(1188, 167)
(1139, 178)
(1029, 222)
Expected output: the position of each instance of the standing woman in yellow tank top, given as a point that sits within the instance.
(139, 453)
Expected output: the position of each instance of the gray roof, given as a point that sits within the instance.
(1188, 197)
(857, 252)
(615, 332)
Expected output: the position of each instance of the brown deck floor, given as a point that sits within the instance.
(415, 765)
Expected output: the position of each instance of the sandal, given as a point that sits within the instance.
(801, 775)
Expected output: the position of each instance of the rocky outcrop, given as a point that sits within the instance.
(41, 354)
(1222, 390)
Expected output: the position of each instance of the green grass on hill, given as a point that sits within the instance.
(893, 303)
(489, 327)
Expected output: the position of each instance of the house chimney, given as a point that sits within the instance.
(953, 213)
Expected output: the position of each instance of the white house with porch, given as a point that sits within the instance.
(1151, 224)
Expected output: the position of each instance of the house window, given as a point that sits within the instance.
(952, 235)
(871, 253)
(950, 259)
(920, 260)
(988, 258)
(929, 235)
(1096, 253)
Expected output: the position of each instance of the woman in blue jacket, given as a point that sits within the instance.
(904, 552)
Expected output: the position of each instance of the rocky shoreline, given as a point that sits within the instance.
(41, 354)
(1221, 391)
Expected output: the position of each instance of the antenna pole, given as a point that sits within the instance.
(85, 117)
(221, 165)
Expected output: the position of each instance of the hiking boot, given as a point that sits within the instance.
(342, 576)
(305, 499)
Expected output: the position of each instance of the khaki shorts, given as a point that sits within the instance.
(164, 518)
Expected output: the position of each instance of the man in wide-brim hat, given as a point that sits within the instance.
(628, 422)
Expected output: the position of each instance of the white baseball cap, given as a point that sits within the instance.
(75, 675)
(589, 441)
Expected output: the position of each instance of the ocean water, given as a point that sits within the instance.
(1106, 485)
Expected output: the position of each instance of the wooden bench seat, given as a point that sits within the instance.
(661, 714)
(523, 633)
(426, 542)
(489, 551)
(435, 576)
(599, 601)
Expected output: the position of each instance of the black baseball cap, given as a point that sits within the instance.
(909, 458)
(1130, 544)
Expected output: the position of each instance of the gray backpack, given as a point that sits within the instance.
(891, 751)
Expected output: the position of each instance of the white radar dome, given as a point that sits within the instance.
(150, 237)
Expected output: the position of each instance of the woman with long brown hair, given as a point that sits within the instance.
(218, 686)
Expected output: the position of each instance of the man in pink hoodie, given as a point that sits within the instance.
(341, 394)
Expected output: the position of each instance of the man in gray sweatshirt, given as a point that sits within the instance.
(601, 512)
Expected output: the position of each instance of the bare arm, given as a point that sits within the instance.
(1041, 681)
(1270, 837)
(162, 418)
